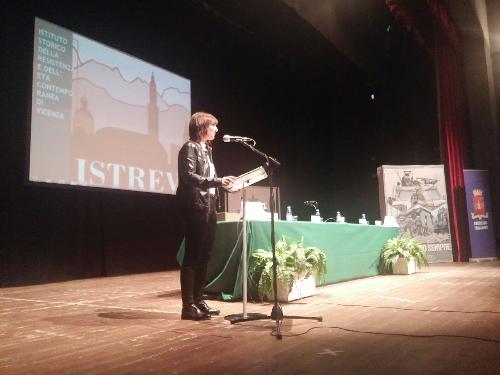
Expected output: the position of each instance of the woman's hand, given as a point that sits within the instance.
(227, 181)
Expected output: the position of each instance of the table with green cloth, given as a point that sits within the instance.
(352, 251)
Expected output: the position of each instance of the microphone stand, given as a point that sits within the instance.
(277, 311)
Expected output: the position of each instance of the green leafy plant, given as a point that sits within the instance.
(294, 261)
(401, 247)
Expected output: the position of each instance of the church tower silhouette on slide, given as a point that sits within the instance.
(153, 124)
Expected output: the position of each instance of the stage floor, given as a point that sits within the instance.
(444, 320)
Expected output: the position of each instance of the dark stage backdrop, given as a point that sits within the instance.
(265, 73)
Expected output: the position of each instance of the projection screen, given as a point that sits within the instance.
(103, 118)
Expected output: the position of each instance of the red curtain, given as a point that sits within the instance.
(445, 48)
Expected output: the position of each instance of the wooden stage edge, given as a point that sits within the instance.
(442, 320)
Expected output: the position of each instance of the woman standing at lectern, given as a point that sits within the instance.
(196, 195)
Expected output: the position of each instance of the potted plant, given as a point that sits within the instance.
(297, 268)
(402, 256)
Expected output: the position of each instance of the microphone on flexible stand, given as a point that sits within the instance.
(235, 138)
(313, 204)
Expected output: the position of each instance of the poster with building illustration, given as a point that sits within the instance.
(103, 118)
(416, 196)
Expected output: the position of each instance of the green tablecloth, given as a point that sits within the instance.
(352, 250)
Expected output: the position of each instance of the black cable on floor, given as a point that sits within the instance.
(496, 341)
(409, 309)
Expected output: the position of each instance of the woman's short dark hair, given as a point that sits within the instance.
(199, 123)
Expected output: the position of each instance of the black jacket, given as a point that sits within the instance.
(194, 181)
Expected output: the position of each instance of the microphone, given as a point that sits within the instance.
(235, 138)
(313, 204)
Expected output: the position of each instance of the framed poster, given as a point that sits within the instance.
(416, 196)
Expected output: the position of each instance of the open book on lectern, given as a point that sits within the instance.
(248, 178)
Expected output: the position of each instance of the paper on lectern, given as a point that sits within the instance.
(248, 178)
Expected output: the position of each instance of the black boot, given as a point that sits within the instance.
(191, 312)
(199, 288)
(202, 305)
(189, 309)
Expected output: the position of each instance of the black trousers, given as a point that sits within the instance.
(199, 243)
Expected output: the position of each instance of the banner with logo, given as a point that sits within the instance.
(482, 236)
(416, 196)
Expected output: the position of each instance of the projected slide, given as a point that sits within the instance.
(102, 118)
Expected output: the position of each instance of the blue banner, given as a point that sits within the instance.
(482, 237)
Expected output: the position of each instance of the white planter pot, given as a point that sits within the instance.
(404, 267)
(301, 288)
